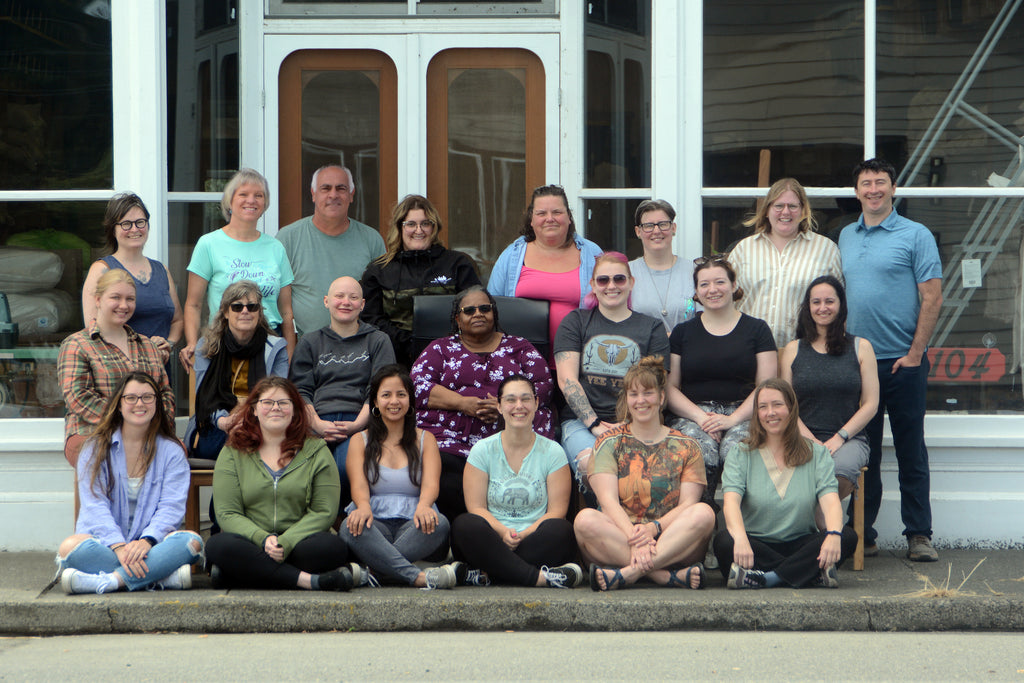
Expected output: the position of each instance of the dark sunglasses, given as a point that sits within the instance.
(471, 310)
(238, 306)
(704, 260)
(603, 280)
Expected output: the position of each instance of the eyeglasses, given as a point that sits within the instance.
(141, 224)
(603, 280)
(132, 399)
(269, 403)
(238, 306)
(663, 226)
(779, 208)
(412, 225)
(512, 399)
(714, 258)
(471, 310)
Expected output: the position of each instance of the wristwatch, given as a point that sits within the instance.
(843, 434)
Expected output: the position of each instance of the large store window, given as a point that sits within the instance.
(784, 77)
(339, 107)
(485, 145)
(55, 97)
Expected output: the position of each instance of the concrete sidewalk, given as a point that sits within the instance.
(883, 597)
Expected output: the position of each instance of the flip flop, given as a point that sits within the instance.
(616, 583)
(675, 582)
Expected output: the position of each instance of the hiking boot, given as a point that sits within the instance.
(919, 549)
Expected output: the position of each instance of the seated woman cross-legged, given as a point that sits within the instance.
(517, 492)
(648, 480)
(133, 481)
(395, 470)
(276, 494)
(772, 485)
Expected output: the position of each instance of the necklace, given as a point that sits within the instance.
(668, 288)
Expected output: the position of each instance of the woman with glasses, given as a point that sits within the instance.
(776, 263)
(662, 288)
(277, 494)
(457, 380)
(517, 493)
(415, 262)
(92, 361)
(239, 251)
(236, 351)
(157, 311)
(594, 348)
(133, 481)
(717, 359)
(549, 261)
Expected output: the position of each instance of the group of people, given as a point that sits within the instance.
(327, 414)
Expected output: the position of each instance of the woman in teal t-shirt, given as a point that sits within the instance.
(517, 488)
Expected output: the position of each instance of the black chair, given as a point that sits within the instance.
(526, 318)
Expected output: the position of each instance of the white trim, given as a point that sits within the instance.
(567, 166)
(251, 100)
(870, 77)
(690, 239)
(943, 193)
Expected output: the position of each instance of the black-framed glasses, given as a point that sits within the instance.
(412, 225)
(603, 280)
(269, 403)
(132, 399)
(141, 224)
(714, 258)
(663, 226)
(238, 307)
(471, 310)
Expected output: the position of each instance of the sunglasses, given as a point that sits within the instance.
(603, 280)
(237, 307)
(714, 258)
(471, 310)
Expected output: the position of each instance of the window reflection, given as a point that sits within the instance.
(609, 223)
(56, 102)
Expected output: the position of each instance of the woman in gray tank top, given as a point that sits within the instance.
(835, 377)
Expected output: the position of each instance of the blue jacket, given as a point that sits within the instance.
(508, 267)
(161, 505)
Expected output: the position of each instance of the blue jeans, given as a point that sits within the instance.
(92, 557)
(340, 450)
(390, 546)
(903, 396)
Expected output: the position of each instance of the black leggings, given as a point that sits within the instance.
(795, 561)
(450, 500)
(244, 564)
(476, 543)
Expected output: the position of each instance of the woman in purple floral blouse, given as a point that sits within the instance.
(457, 380)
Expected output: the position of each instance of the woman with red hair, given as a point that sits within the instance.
(276, 492)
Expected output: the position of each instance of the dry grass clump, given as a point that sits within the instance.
(943, 590)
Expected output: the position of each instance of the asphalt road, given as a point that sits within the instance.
(703, 656)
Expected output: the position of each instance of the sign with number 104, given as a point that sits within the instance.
(959, 365)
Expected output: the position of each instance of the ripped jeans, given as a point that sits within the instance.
(92, 557)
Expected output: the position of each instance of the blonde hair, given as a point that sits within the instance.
(759, 221)
(112, 277)
(393, 242)
(244, 176)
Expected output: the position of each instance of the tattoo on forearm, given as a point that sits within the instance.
(577, 400)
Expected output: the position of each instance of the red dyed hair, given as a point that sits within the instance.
(247, 436)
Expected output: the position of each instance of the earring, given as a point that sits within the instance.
(375, 411)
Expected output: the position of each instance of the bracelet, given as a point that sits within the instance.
(657, 525)
(150, 540)
(834, 533)
(593, 424)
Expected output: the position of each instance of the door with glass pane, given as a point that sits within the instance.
(485, 145)
(339, 107)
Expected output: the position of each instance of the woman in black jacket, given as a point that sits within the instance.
(415, 263)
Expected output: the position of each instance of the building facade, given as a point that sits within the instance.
(474, 104)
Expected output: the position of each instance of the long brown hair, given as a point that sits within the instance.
(111, 421)
(796, 449)
(214, 332)
(649, 373)
(377, 431)
(247, 436)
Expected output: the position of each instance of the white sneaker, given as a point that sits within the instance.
(75, 582)
(440, 577)
(179, 580)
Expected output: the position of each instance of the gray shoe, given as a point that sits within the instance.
(744, 578)
(361, 576)
(829, 577)
(440, 577)
(919, 549)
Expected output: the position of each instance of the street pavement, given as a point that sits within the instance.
(891, 594)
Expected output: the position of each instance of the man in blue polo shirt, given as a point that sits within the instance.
(894, 292)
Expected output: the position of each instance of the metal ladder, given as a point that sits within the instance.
(998, 216)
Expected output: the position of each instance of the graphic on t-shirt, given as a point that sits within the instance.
(609, 356)
(331, 358)
(242, 269)
(515, 497)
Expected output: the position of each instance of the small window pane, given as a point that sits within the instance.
(609, 223)
(55, 97)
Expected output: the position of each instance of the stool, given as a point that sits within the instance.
(858, 521)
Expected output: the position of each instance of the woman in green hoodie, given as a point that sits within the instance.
(276, 492)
